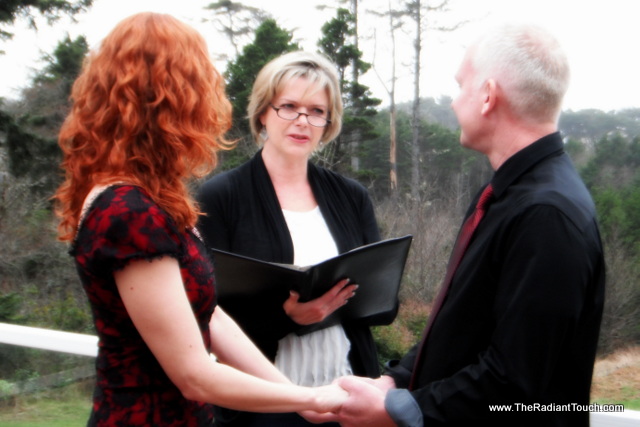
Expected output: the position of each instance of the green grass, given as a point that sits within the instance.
(64, 407)
(630, 399)
(633, 405)
(626, 396)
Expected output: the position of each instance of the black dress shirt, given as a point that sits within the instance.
(521, 320)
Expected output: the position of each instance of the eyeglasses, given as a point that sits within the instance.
(290, 114)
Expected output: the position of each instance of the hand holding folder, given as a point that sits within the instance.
(377, 268)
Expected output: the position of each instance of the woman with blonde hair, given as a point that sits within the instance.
(149, 113)
(281, 207)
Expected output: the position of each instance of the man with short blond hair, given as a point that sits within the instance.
(518, 324)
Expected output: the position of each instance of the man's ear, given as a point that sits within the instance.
(489, 92)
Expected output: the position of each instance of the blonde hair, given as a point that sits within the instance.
(271, 80)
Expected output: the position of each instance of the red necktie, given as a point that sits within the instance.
(462, 242)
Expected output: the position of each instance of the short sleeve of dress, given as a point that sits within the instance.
(124, 224)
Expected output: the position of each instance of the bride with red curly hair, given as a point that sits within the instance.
(149, 113)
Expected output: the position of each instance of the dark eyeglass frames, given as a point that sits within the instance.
(289, 114)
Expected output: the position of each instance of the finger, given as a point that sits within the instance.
(348, 291)
(293, 297)
(317, 418)
(344, 282)
(335, 290)
(345, 295)
(384, 383)
(290, 303)
(352, 383)
(338, 295)
(330, 295)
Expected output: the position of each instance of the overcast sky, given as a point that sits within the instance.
(600, 38)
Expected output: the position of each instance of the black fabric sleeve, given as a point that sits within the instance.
(401, 370)
(232, 223)
(212, 224)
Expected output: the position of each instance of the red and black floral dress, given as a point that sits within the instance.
(124, 224)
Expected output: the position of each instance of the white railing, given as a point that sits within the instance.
(48, 339)
(615, 419)
(87, 345)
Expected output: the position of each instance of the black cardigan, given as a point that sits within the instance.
(243, 216)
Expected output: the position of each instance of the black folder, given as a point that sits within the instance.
(377, 268)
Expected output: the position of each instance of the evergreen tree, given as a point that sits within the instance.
(10, 10)
(613, 178)
(236, 20)
(32, 127)
(65, 63)
(338, 44)
(270, 41)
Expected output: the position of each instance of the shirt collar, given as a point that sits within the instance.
(525, 159)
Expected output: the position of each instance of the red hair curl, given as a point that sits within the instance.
(149, 109)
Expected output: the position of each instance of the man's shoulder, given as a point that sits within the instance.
(558, 186)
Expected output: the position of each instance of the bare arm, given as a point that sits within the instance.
(232, 347)
(154, 296)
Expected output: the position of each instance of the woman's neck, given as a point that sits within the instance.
(285, 170)
(290, 182)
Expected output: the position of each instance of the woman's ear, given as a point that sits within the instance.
(489, 93)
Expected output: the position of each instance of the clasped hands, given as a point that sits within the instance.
(364, 404)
